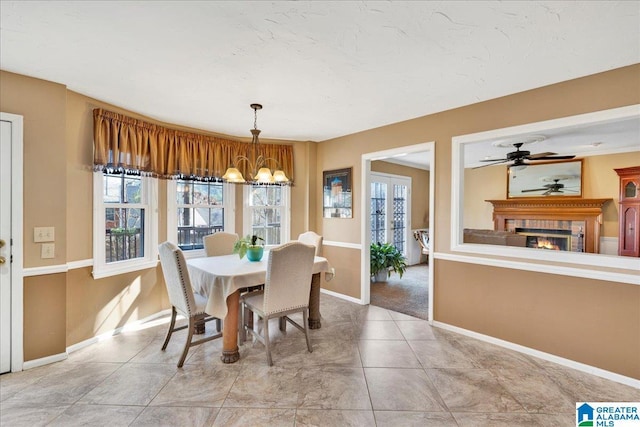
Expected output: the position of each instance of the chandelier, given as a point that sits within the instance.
(258, 170)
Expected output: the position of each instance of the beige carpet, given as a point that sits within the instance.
(408, 295)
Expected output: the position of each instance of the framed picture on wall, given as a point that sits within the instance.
(337, 193)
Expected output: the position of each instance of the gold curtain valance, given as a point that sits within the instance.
(124, 142)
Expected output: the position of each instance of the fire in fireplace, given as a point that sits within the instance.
(539, 238)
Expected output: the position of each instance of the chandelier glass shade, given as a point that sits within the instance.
(259, 172)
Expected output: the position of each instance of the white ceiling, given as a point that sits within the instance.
(321, 69)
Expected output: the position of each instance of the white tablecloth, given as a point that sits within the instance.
(220, 276)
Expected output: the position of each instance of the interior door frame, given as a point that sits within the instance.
(390, 181)
(365, 220)
(17, 297)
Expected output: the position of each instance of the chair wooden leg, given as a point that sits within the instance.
(191, 329)
(172, 324)
(242, 332)
(218, 325)
(266, 341)
(283, 324)
(305, 317)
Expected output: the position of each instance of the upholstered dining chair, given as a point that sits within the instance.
(286, 291)
(313, 239)
(183, 299)
(220, 243)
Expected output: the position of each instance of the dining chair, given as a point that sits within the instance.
(183, 299)
(220, 243)
(286, 291)
(313, 239)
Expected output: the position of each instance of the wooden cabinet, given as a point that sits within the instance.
(629, 234)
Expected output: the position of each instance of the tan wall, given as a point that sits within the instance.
(591, 321)
(603, 91)
(419, 189)
(600, 181)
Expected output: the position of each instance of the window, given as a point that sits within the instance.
(266, 212)
(196, 209)
(125, 218)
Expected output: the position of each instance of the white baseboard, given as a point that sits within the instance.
(147, 321)
(341, 296)
(632, 382)
(30, 364)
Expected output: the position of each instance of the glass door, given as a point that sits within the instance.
(390, 210)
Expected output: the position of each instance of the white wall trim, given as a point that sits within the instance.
(73, 265)
(632, 279)
(341, 296)
(44, 270)
(17, 251)
(542, 355)
(30, 364)
(342, 244)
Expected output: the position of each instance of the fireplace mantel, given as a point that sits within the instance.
(577, 213)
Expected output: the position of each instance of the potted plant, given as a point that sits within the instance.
(249, 245)
(386, 258)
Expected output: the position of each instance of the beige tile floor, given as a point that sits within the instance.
(369, 367)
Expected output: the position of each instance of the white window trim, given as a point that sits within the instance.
(103, 269)
(285, 229)
(229, 196)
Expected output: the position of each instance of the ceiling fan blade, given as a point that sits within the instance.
(494, 160)
(553, 158)
(534, 189)
(491, 164)
(539, 155)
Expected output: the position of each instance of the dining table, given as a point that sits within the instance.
(221, 279)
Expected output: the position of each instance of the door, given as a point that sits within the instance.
(391, 210)
(5, 247)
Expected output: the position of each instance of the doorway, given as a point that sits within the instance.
(10, 243)
(426, 152)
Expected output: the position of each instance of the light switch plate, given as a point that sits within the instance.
(43, 234)
(48, 250)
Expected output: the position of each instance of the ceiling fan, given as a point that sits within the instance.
(519, 157)
(556, 187)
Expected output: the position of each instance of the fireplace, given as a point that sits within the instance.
(550, 239)
(571, 224)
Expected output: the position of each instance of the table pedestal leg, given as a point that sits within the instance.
(314, 302)
(230, 353)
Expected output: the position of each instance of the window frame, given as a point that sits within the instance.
(148, 202)
(229, 204)
(285, 213)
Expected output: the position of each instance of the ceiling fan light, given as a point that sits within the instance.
(233, 175)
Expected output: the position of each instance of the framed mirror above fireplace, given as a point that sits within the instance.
(599, 141)
(547, 179)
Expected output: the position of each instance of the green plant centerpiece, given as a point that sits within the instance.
(386, 258)
(250, 247)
